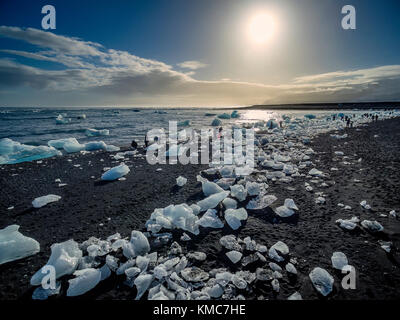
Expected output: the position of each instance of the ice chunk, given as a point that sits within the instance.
(234, 256)
(322, 280)
(291, 268)
(365, 205)
(194, 274)
(224, 116)
(115, 172)
(181, 181)
(339, 260)
(295, 296)
(254, 188)
(209, 187)
(261, 202)
(139, 243)
(239, 192)
(14, 245)
(212, 201)
(230, 242)
(373, 226)
(14, 152)
(42, 201)
(229, 203)
(59, 143)
(281, 247)
(197, 255)
(315, 172)
(284, 211)
(95, 145)
(210, 220)
(289, 203)
(349, 224)
(85, 281)
(216, 122)
(42, 294)
(64, 258)
(142, 283)
(95, 133)
(234, 216)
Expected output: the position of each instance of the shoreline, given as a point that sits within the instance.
(312, 236)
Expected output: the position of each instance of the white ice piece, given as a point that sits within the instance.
(64, 258)
(42, 201)
(339, 260)
(115, 173)
(234, 256)
(14, 245)
(212, 201)
(181, 181)
(322, 280)
(86, 280)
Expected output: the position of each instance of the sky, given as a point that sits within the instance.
(183, 53)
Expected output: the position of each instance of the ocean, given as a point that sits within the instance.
(36, 127)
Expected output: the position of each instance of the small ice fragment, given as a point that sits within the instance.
(212, 201)
(64, 258)
(115, 173)
(322, 280)
(295, 296)
(373, 226)
(14, 245)
(42, 201)
(142, 283)
(194, 274)
(234, 256)
(291, 268)
(181, 181)
(86, 280)
(339, 260)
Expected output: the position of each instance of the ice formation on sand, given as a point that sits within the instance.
(181, 181)
(64, 258)
(261, 202)
(142, 283)
(212, 201)
(234, 256)
(339, 260)
(295, 296)
(115, 173)
(234, 216)
(86, 279)
(210, 220)
(137, 246)
(372, 226)
(322, 281)
(44, 200)
(14, 152)
(287, 209)
(209, 187)
(179, 216)
(95, 133)
(14, 245)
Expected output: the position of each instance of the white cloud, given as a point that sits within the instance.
(192, 65)
(94, 75)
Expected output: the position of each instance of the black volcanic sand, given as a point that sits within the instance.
(312, 235)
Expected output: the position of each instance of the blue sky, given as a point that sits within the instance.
(309, 58)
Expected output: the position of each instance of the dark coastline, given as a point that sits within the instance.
(328, 106)
(312, 237)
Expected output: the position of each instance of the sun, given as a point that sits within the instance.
(261, 28)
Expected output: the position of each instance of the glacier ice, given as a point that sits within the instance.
(14, 245)
(115, 172)
(44, 200)
(339, 260)
(142, 283)
(95, 133)
(64, 258)
(14, 152)
(181, 181)
(234, 216)
(322, 280)
(373, 226)
(234, 256)
(210, 220)
(239, 192)
(261, 201)
(229, 203)
(86, 280)
(212, 201)
(194, 274)
(229, 242)
(209, 187)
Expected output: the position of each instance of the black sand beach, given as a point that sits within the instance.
(91, 208)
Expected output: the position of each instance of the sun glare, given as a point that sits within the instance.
(261, 28)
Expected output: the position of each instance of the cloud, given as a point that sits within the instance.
(89, 74)
(192, 65)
